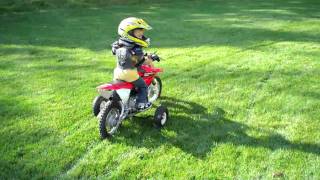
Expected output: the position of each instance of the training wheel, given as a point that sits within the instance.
(161, 116)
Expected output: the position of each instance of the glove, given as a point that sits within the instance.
(154, 57)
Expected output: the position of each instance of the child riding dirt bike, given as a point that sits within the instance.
(130, 56)
(136, 81)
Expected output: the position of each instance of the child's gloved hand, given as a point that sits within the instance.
(155, 57)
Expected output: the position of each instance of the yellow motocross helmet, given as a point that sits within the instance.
(127, 25)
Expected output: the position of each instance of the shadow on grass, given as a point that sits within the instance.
(199, 136)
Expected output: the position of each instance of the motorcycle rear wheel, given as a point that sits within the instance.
(98, 103)
(109, 119)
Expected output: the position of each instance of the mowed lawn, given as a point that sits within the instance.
(241, 81)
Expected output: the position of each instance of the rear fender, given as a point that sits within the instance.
(105, 93)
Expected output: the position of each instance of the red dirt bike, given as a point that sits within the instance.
(117, 101)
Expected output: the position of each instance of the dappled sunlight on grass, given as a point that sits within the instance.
(241, 81)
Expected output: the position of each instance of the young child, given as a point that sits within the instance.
(129, 54)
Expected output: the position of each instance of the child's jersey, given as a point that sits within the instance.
(129, 57)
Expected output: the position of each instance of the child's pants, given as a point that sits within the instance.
(128, 75)
(142, 96)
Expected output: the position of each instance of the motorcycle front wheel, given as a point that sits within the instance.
(154, 89)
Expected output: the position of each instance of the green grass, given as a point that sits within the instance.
(241, 81)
